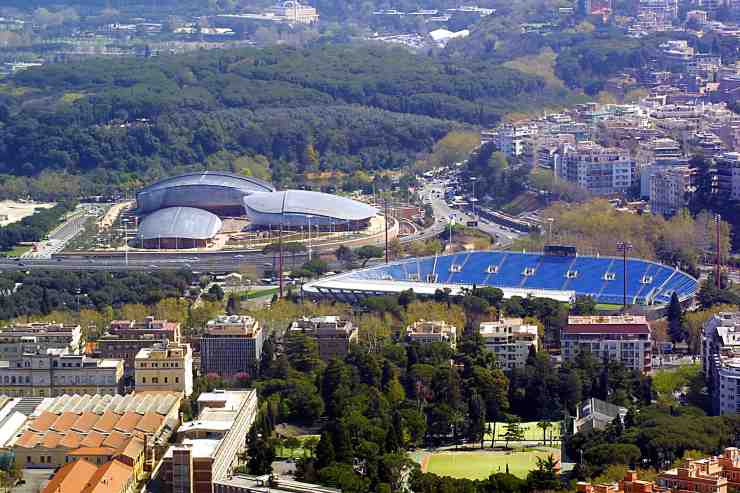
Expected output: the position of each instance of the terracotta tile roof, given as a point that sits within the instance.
(92, 451)
(149, 422)
(71, 477)
(133, 449)
(72, 440)
(85, 422)
(128, 422)
(116, 474)
(29, 439)
(93, 439)
(64, 422)
(106, 422)
(43, 422)
(52, 439)
(116, 440)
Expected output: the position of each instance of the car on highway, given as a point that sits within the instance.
(238, 256)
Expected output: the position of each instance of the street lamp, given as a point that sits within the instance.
(624, 247)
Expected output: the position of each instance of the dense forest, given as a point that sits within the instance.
(322, 108)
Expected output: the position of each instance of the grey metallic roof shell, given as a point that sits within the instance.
(304, 202)
(213, 190)
(179, 222)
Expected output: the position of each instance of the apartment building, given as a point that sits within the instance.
(600, 170)
(232, 344)
(334, 335)
(625, 338)
(57, 372)
(511, 340)
(629, 484)
(703, 475)
(511, 139)
(125, 338)
(728, 175)
(37, 337)
(165, 367)
(720, 351)
(429, 331)
(670, 189)
(197, 465)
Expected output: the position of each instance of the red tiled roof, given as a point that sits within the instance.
(607, 329)
(64, 421)
(106, 422)
(72, 476)
(52, 439)
(128, 422)
(116, 440)
(85, 422)
(43, 422)
(111, 477)
(149, 422)
(29, 439)
(71, 440)
(93, 439)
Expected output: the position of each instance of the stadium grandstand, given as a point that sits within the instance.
(561, 275)
(215, 191)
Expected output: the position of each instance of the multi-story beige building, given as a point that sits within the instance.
(56, 373)
(334, 335)
(37, 337)
(125, 338)
(231, 345)
(511, 340)
(165, 367)
(295, 12)
(428, 331)
(624, 338)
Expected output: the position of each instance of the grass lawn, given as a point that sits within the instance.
(259, 293)
(604, 307)
(531, 431)
(296, 453)
(480, 465)
(18, 250)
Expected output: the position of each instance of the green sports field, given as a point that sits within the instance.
(531, 431)
(480, 465)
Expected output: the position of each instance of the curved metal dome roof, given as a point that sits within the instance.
(212, 178)
(179, 222)
(309, 203)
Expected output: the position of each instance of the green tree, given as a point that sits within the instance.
(367, 252)
(544, 426)
(675, 319)
(514, 431)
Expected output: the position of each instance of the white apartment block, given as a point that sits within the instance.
(512, 140)
(19, 339)
(720, 352)
(670, 187)
(429, 331)
(164, 367)
(510, 339)
(728, 174)
(624, 338)
(600, 170)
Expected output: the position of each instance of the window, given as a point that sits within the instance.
(155, 379)
(143, 379)
(165, 379)
(177, 379)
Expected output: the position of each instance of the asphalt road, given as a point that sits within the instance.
(443, 213)
(217, 262)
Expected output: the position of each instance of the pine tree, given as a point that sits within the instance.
(675, 319)
(325, 451)
(233, 305)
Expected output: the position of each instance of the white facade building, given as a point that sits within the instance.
(728, 174)
(670, 187)
(429, 331)
(510, 339)
(600, 170)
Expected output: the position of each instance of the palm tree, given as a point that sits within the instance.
(544, 425)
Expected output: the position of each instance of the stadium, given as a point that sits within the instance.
(562, 277)
(215, 209)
